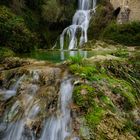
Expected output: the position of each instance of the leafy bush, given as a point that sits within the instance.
(5, 52)
(64, 10)
(14, 32)
(48, 12)
(76, 59)
(34, 4)
(127, 34)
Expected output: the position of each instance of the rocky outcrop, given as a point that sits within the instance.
(131, 7)
(29, 90)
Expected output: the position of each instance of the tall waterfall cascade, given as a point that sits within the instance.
(80, 23)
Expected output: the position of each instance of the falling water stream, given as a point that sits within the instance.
(80, 23)
(13, 128)
(57, 127)
(12, 90)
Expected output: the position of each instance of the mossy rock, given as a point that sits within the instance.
(94, 117)
(83, 96)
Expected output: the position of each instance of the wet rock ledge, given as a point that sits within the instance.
(28, 92)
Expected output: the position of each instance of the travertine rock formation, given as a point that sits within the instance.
(133, 5)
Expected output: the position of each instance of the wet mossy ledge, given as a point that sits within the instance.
(38, 88)
(106, 97)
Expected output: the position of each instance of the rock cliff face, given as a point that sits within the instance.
(133, 5)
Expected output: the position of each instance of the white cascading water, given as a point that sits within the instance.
(57, 126)
(80, 23)
(12, 91)
(14, 130)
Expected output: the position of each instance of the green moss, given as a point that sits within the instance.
(113, 88)
(107, 100)
(83, 96)
(103, 75)
(130, 100)
(83, 71)
(118, 86)
(121, 87)
(93, 118)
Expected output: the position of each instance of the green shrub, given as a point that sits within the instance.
(48, 12)
(78, 59)
(14, 32)
(5, 52)
(31, 19)
(127, 34)
(61, 12)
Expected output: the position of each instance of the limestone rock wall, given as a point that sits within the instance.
(134, 6)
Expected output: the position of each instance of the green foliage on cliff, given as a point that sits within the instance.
(47, 18)
(127, 34)
(100, 19)
(14, 32)
(5, 52)
(48, 12)
(63, 11)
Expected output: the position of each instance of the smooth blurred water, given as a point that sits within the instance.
(58, 126)
(15, 118)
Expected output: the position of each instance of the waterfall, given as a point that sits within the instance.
(80, 23)
(26, 108)
(21, 120)
(57, 127)
(13, 89)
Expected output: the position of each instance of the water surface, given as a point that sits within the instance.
(57, 56)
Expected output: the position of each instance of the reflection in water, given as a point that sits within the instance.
(62, 55)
